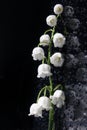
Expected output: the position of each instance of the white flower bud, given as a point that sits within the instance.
(51, 20)
(35, 110)
(58, 9)
(56, 59)
(58, 98)
(58, 40)
(44, 70)
(45, 40)
(45, 103)
(38, 53)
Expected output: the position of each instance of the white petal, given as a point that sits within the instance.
(56, 59)
(51, 20)
(38, 53)
(58, 98)
(35, 110)
(59, 40)
(59, 93)
(60, 103)
(45, 40)
(44, 70)
(58, 9)
(45, 103)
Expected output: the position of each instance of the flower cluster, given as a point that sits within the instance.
(44, 103)
(50, 38)
(58, 40)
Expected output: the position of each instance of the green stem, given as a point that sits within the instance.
(51, 125)
(43, 60)
(38, 44)
(57, 87)
(41, 92)
(45, 92)
(52, 34)
(50, 46)
(49, 30)
(51, 112)
(51, 85)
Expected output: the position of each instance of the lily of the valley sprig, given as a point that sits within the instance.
(50, 95)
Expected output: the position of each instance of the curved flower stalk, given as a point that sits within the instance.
(50, 95)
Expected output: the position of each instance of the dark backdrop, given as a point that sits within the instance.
(21, 24)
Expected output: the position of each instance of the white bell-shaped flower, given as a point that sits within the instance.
(57, 59)
(58, 98)
(45, 103)
(35, 110)
(59, 40)
(58, 9)
(51, 20)
(59, 102)
(45, 40)
(44, 70)
(38, 53)
(59, 94)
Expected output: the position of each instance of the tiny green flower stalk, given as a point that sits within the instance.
(56, 96)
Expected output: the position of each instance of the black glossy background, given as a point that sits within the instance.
(21, 24)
